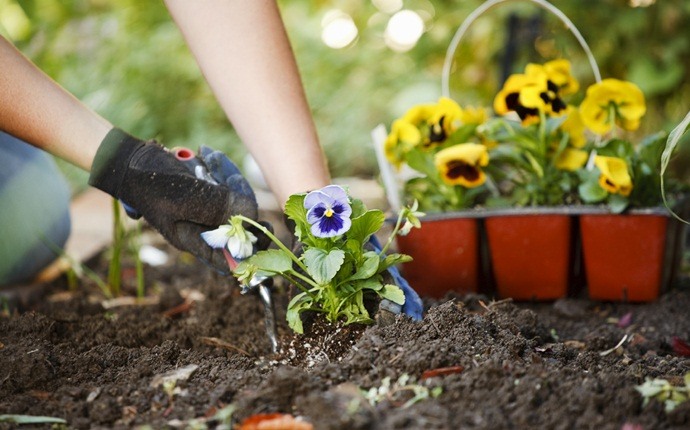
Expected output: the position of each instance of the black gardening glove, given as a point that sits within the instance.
(151, 181)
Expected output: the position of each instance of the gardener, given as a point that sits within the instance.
(244, 53)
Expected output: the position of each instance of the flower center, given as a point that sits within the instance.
(328, 213)
(457, 168)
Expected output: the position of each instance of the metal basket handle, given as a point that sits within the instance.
(450, 53)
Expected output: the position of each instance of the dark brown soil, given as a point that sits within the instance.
(522, 365)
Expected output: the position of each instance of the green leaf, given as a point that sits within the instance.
(591, 192)
(271, 260)
(393, 293)
(671, 144)
(618, 203)
(366, 225)
(297, 305)
(421, 162)
(30, 419)
(373, 284)
(392, 260)
(294, 210)
(358, 207)
(369, 267)
(322, 265)
(461, 135)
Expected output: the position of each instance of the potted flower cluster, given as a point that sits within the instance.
(570, 167)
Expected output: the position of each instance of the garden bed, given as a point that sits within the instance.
(511, 365)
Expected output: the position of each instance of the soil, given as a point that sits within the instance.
(201, 346)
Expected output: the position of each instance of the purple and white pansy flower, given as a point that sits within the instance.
(238, 240)
(328, 211)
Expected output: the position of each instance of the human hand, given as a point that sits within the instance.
(178, 203)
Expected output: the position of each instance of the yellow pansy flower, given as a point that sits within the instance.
(521, 94)
(614, 175)
(550, 96)
(558, 72)
(437, 121)
(402, 138)
(461, 164)
(575, 128)
(612, 101)
(419, 114)
(443, 121)
(571, 159)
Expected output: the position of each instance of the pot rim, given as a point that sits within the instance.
(538, 210)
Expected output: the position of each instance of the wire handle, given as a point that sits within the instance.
(450, 53)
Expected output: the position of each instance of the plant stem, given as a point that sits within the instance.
(401, 215)
(299, 285)
(138, 264)
(115, 267)
(275, 240)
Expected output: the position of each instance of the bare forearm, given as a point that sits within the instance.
(244, 53)
(37, 110)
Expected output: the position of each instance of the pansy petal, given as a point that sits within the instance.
(239, 248)
(217, 238)
(342, 209)
(335, 192)
(316, 197)
(316, 213)
(331, 226)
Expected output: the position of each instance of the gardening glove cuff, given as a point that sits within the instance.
(112, 159)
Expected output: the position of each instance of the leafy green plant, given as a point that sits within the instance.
(30, 419)
(404, 391)
(662, 390)
(124, 243)
(544, 151)
(337, 268)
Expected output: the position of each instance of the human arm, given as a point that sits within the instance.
(244, 54)
(37, 110)
(142, 174)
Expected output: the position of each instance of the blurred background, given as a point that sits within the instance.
(363, 62)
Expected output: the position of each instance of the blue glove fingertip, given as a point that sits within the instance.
(413, 306)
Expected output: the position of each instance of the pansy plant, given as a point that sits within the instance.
(337, 270)
(619, 173)
(538, 149)
(440, 143)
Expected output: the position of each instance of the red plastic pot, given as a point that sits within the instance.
(624, 255)
(530, 254)
(446, 256)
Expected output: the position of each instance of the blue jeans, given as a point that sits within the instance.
(34, 210)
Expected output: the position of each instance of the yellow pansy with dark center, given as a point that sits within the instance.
(558, 72)
(610, 102)
(443, 121)
(461, 164)
(437, 134)
(614, 175)
(521, 94)
(528, 94)
(433, 124)
(551, 95)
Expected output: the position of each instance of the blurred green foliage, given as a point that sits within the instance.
(127, 60)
